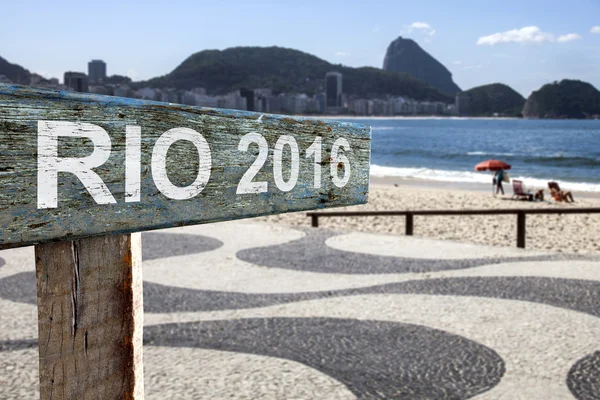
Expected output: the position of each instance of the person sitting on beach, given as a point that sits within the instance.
(558, 194)
(561, 195)
(498, 177)
(539, 195)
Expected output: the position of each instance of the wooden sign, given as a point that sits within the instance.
(88, 170)
(75, 165)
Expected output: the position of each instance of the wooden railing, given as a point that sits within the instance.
(521, 213)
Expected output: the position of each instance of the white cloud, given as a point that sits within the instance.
(595, 29)
(341, 54)
(457, 62)
(470, 67)
(568, 37)
(528, 34)
(423, 27)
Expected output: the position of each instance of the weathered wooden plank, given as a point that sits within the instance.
(90, 318)
(75, 165)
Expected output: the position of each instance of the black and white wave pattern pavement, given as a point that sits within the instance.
(254, 311)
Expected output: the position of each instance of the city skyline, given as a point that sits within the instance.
(330, 101)
(523, 45)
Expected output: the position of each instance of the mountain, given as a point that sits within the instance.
(405, 55)
(564, 99)
(286, 70)
(14, 72)
(496, 98)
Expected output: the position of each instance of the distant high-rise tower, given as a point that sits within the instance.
(333, 89)
(249, 95)
(77, 81)
(462, 103)
(97, 71)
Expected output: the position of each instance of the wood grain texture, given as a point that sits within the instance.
(78, 215)
(90, 318)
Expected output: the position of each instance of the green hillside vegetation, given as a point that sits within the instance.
(564, 99)
(286, 71)
(14, 72)
(495, 99)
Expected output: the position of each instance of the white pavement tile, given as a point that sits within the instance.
(188, 373)
(18, 321)
(19, 378)
(413, 247)
(17, 261)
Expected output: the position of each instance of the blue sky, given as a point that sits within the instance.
(521, 43)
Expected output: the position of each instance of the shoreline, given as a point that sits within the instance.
(400, 117)
(392, 181)
(384, 117)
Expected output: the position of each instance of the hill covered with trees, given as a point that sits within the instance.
(286, 71)
(14, 72)
(494, 99)
(564, 99)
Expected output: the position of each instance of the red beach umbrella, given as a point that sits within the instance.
(491, 165)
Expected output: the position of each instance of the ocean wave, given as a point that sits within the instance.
(563, 161)
(553, 160)
(475, 177)
(436, 153)
(486, 153)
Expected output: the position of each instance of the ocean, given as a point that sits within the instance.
(447, 149)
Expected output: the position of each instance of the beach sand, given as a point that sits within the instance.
(571, 233)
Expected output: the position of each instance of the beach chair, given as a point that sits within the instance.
(519, 192)
(553, 185)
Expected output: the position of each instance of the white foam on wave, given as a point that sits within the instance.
(475, 177)
(389, 128)
(486, 153)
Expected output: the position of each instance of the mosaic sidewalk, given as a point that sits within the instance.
(243, 310)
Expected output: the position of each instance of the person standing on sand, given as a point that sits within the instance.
(498, 177)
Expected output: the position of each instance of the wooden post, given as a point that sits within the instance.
(90, 318)
(521, 229)
(314, 221)
(409, 224)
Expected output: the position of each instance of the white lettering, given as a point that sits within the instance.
(278, 163)
(159, 167)
(338, 161)
(246, 184)
(315, 151)
(133, 175)
(49, 164)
